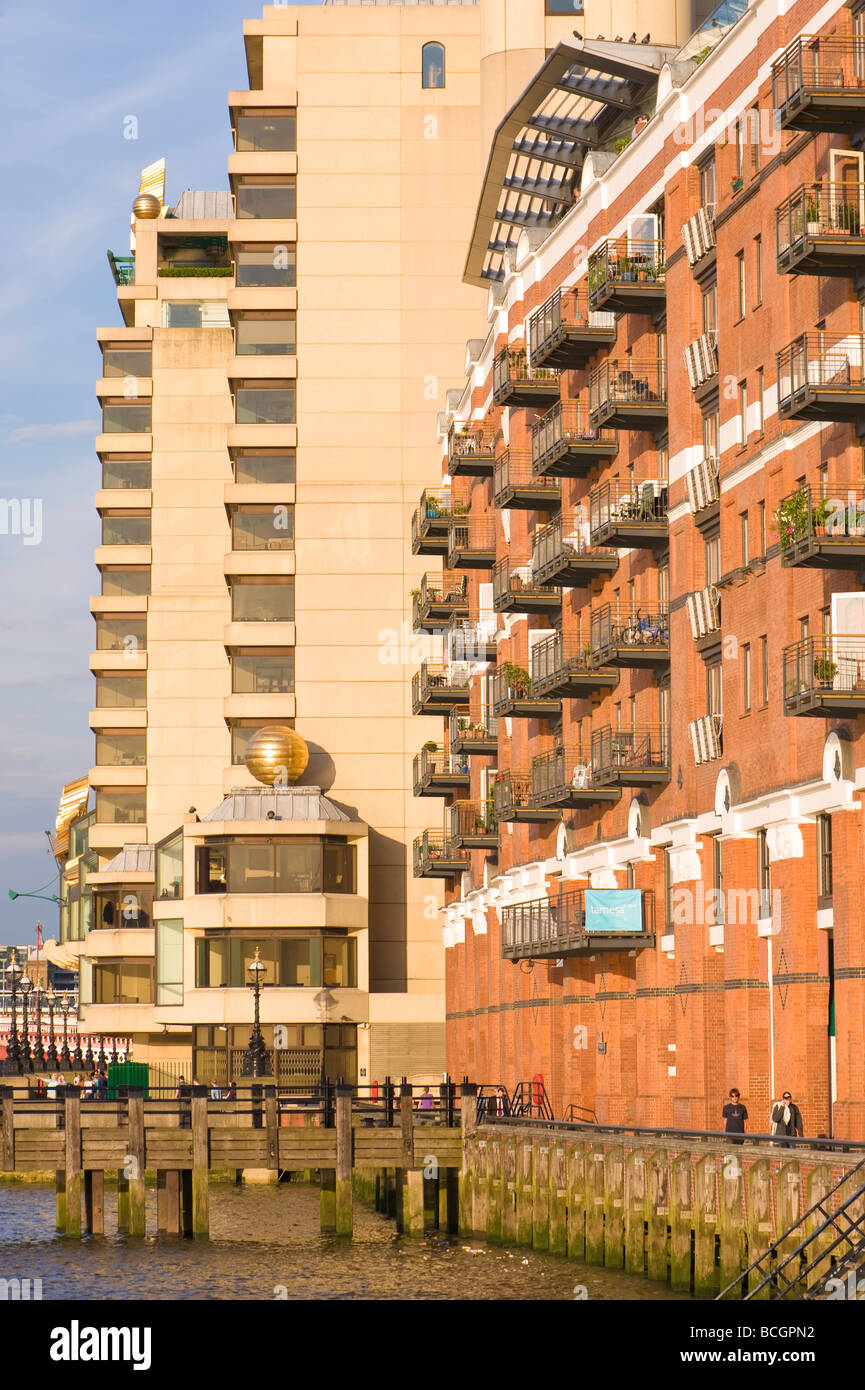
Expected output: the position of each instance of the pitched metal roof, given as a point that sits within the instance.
(287, 803)
(196, 204)
(132, 859)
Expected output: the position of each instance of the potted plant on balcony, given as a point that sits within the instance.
(820, 513)
(812, 215)
(847, 218)
(626, 269)
(791, 519)
(824, 670)
(736, 184)
(430, 746)
(518, 680)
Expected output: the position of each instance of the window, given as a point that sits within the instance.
(274, 266)
(707, 184)
(125, 417)
(271, 197)
(120, 749)
(263, 403)
(242, 732)
(712, 558)
(169, 961)
(824, 860)
(291, 961)
(126, 528)
(710, 309)
(718, 879)
(122, 982)
(663, 585)
(710, 435)
(121, 635)
(189, 313)
(433, 65)
(761, 526)
(121, 692)
(758, 271)
(744, 534)
(563, 7)
(754, 137)
(741, 299)
(764, 666)
(125, 473)
(265, 130)
(740, 146)
(131, 582)
(804, 629)
(262, 672)
(304, 864)
(714, 697)
(669, 919)
(126, 362)
(743, 413)
(764, 875)
(266, 335)
(120, 807)
(262, 600)
(758, 403)
(746, 677)
(262, 528)
(269, 466)
(169, 867)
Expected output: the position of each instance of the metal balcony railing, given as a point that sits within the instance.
(614, 626)
(515, 586)
(122, 268)
(516, 483)
(437, 764)
(440, 596)
(825, 673)
(562, 321)
(567, 425)
(630, 751)
(559, 770)
(557, 925)
(632, 382)
(628, 504)
(472, 822)
(472, 543)
(471, 641)
(512, 792)
(559, 655)
(470, 443)
(512, 368)
(443, 686)
(814, 362)
(821, 209)
(822, 525)
(625, 263)
(818, 69)
(434, 856)
(563, 550)
(467, 736)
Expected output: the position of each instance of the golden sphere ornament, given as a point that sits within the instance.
(147, 205)
(276, 756)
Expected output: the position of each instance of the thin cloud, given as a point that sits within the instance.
(64, 429)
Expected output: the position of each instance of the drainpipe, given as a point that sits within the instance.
(771, 1022)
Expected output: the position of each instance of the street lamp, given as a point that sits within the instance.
(38, 1050)
(25, 987)
(65, 1007)
(13, 1050)
(77, 1054)
(255, 1061)
(51, 1055)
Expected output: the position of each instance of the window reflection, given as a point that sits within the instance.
(300, 865)
(291, 961)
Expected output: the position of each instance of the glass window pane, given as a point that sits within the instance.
(262, 603)
(272, 528)
(126, 529)
(266, 337)
(123, 362)
(272, 674)
(169, 961)
(338, 962)
(121, 750)
(210, 869)
(242, 733)
(250, 868)
(120, 808)
(125, 418)
(339, 867)
(126, 583)
(123, 692)
(169, 868)
(275, 266)
(433, 65)
(265, 468)
(298, 868)
(260, 132)
(126, 473)
(294, 963)
(268, 405)
(121, 635)
(264, 199)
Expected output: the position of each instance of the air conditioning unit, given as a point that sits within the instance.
(702, 484)
(707, 350)
(704, 611)
(693, 365)
(689, 237)
(706, 738)
(705, 220)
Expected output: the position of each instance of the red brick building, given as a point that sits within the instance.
(652, 538)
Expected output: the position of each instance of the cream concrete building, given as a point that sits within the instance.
(269, 413)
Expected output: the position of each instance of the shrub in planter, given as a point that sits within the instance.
(824, 670)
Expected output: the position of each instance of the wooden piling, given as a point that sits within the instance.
(168, 1201)
(468, 1124)
(657, 1213)
(541, 1195)
(760, 1230)
(122, 1201)
(576, 1201)
(614, 1209)
(72, 1106)
(705, 1223)
(558, 1199)
(200, 1187)
(731, 1213)
(7, 1133)
(344, 1157)
(636, 1201)
(479, 1188)
(94, 1201)
(60, 1193)
(789, 1205)
(681, 1220)
(495, 1190)
(819, 1183)
(135, 1163)
(525, 1194)
(271, 1121)
(413, 1218)
(327, 1199)
(595, 1205)
(186, 1220)
(509, 1189)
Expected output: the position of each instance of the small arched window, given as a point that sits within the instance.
(433, 65)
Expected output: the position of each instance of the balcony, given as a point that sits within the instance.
(629, 276)
(818, 82)
(818, 229)
(429, 524)
(704, 491)
(562, 667)
(433, 856)
(701, 364)
(825, 676)
(436, 772)
(513, 799)
(516, 590)
(631, 396)
(631, 755)
(637, 637)
(473, 825)
(122, 268)
(471, 452)
(698, 236)
(468, 641)
(820, 377)
(579, 922)
(561, 554)
(472, 544)
(440, 598)
(438, 689)
(516, 485)
(514, 696)
(823, 528)
(630, 515)
(517, 383)
(562, 779)
(564, 333)
(567, 445)
(473, 740)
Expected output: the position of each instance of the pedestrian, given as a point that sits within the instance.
(215, 1090)
(734, 1115)
(425, 1105)
(76, 1080)
(503, 1105)
(181, 1087)
(787, 1118)
(101, 1085)
(231, 1093)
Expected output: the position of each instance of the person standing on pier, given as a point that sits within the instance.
(734, 1115)
(787, 1117)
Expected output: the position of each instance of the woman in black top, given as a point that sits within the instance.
(735, 1115)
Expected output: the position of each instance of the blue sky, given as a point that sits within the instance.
(69, 74)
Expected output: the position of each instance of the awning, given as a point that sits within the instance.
(73, 802)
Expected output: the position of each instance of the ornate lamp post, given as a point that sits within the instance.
(255, 1061)
(65, 1007)
(77, 1054)
(101, 1059)
(25, 987)
(88, 1055)
(13, 1048)
(51, 1055)
(38, 1050)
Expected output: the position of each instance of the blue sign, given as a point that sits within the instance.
(614, 910)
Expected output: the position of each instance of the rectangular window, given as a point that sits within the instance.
(122, 982)
(758, 402)
(125, 473)
(262, 528)
(268, 197)
(201, 313)
(121, 692)
(744, 533)
(710, 309)
(121, 807)
(126, 362)
(712, 558)
(761, 526)
(259, 130)
(169, 868)
(262, 403)
(271, 266)
(764, 875)
(262, 673)
(125, 417)
(259, 600)
(169, 961)
(669, 919)
(824, 861)
(754, 134)
(758, 271)
(120, 749)
(741, 296)
(266, 335)
(123, 582)
(126, 528)
(746, 677)
(707, 184)
(764, 667)
(718, 879)
(740, 146)
(743, 414)
(714, 703)
(127, 635)
(270, 466)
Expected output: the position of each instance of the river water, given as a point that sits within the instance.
(266, 1244)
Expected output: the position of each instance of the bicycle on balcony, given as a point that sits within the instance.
(645, 632)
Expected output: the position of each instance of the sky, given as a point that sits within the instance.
(71, 72)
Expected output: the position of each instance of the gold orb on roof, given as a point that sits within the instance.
(146, 205)
(276, 756)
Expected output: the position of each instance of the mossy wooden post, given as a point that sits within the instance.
(60, 1194)
(509, 1189)
(327, 1199)
(495, 1190)
(614, 1209)
(636, 1199)
(135, 1164)
(789, 1206)
(732, 1216)
(576, 1201)
(413, 1217)
(72, 1116)
(657, 1211)
(541, 1195)
(469, 1123)
(705, 1224)
(94, 1201)
(760, 1230)
(200, 1190)
(558, 1199)
(479, 1188)
(7, 1133)
(595, 1174)
(681, 1222)
(271, 1121)
(122, 1200)
(343, 1193)
(168, 1201)
(525, 1202)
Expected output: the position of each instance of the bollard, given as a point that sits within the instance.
(344, 1159)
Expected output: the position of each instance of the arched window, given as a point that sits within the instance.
(433, 65)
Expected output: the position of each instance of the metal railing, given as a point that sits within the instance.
(510, 683)
(812, 64)
(632, 502)
(820, 361)
(513, 470)
(471, 819)
(565, 538)
(826, 511)
(821, 209)
(433, 678)
(616, 625)
(470, 443)
(546, 925)
(432, 847)
(634, 382)
(471, 641)
(436, 762)
(122, 268)
(518, 580)
(557, 656)
(461, 729)
(830, 664)
(629, 750)
(559, 770)
(511, 791)
(625, 261)
(567, 309)
(475, 536)
(566, 423)
(512, 367)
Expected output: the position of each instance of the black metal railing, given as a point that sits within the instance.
(829, 665)
(630, 750)
(814, 64)
(630, 383)
(820, 362)
(625, 262)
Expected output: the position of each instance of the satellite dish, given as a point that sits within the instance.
(581, 776)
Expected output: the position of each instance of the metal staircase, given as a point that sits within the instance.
(830, 1250)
